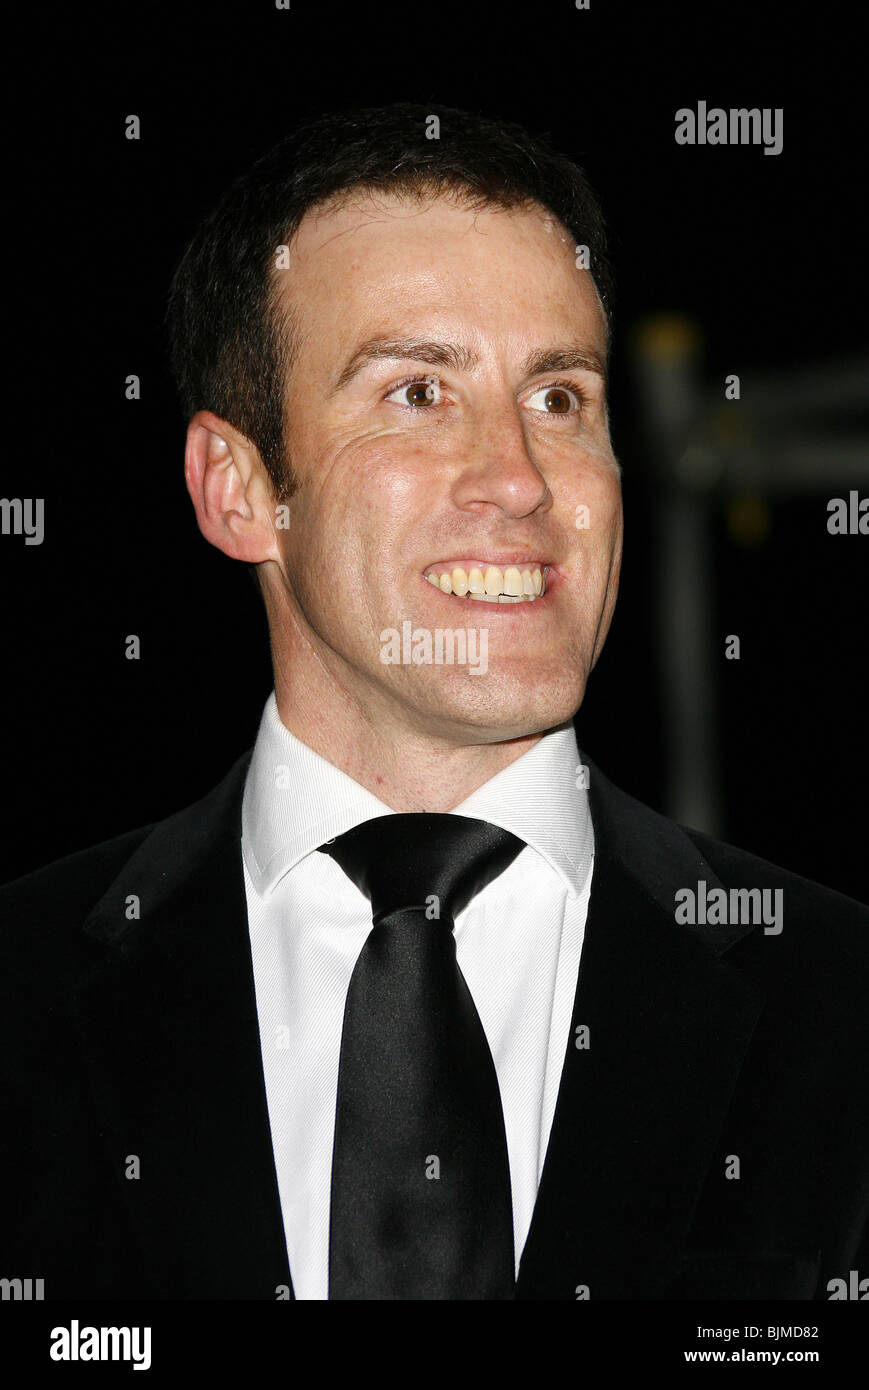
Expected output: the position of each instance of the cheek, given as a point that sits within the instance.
(353, 518)
(595, 505)
(376, 489)
(388, 486)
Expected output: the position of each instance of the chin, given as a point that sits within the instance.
(501, 709)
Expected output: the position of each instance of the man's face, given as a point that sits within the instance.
(444, 416)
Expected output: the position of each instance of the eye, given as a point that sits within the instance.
(557, 399)
(417, 393)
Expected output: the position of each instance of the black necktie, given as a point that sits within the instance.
(421, 1201)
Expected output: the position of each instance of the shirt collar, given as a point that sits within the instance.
(542, 797)
(294, 800)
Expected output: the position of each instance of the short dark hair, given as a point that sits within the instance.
(230, 342)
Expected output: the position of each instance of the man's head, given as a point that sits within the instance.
(419, 375)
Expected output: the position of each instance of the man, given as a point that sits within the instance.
(416, 1004)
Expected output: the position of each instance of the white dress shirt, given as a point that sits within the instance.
(518, 945)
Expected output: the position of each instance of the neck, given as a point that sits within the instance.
(410, 773)
(409, 761)
(406, 768)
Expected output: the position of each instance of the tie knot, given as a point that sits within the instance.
(401, 861)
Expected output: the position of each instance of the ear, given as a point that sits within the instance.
(229, 487)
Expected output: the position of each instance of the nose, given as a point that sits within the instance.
(499, 471)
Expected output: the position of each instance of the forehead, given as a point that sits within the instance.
(434, 262)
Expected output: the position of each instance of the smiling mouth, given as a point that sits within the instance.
(483, 582)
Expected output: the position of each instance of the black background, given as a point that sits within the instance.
(767, 253)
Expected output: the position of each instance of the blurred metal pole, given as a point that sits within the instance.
(667, 363)
(781, 443)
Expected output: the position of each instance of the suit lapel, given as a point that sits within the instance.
(169, 1026)
(639, 1111)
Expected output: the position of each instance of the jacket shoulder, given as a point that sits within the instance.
(76, 876)
(820, 923)
(41, 914)
(54, 901)
(823, 931)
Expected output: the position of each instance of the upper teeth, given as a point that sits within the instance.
(492, 584)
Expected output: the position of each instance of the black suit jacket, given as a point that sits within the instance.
(139, 1037)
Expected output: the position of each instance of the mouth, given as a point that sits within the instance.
(516, 582)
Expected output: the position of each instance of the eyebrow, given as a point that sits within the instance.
(572, 357)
